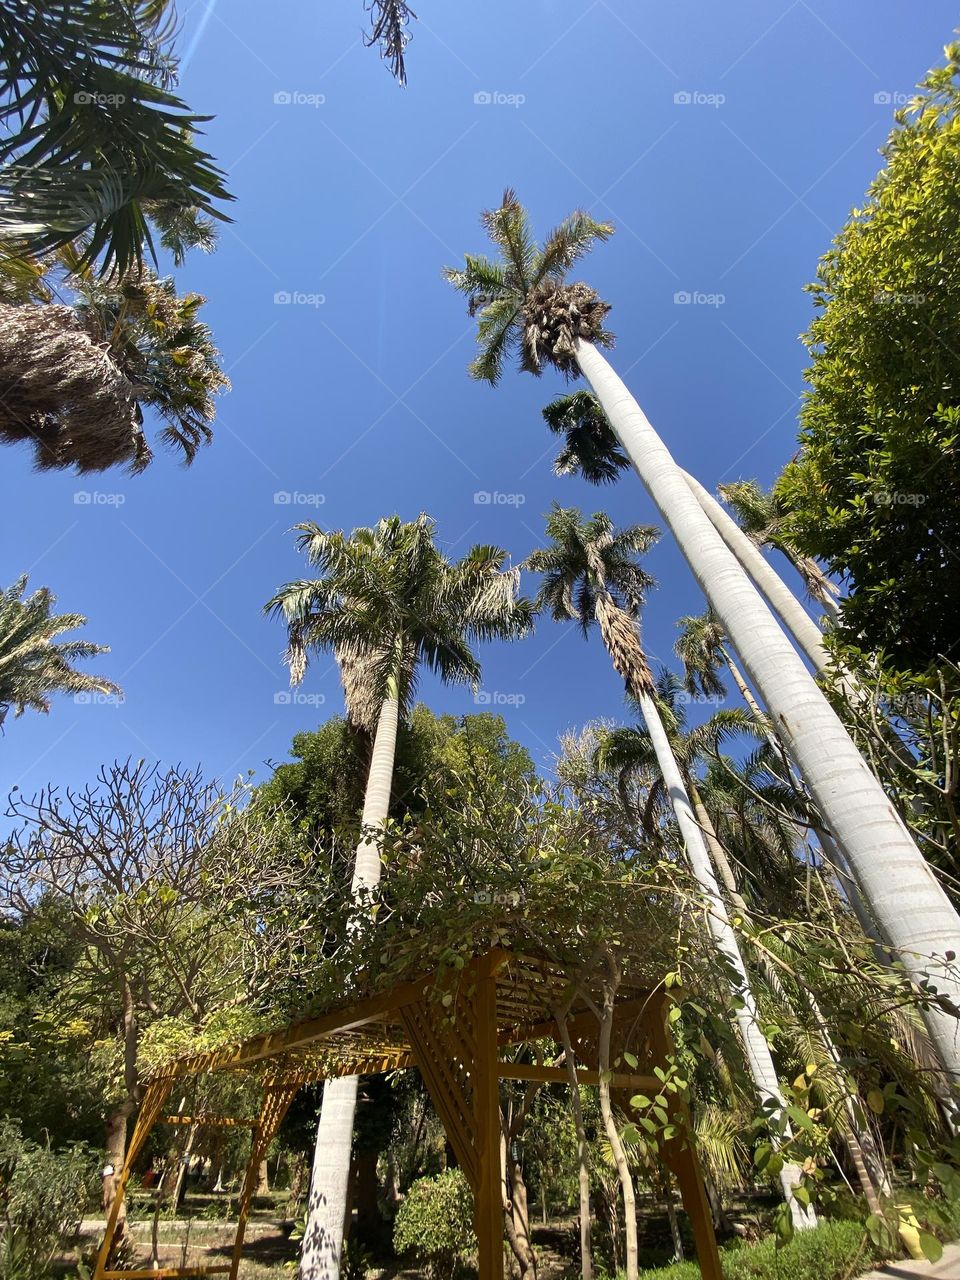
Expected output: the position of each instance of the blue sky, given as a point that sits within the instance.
(353, 399)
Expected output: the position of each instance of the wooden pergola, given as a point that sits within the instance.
(453, 1032)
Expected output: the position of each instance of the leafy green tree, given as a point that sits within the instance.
(33, 663)
(875, 490)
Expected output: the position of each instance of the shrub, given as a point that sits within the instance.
(830, 1252)
(435, 1223)
(43, 1194)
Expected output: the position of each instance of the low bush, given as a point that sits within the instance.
(435, 1224)
(833, 1251)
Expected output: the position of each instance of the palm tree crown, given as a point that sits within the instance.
(33, 664)
(522, 302)
(700, 647)
(590, 446)
(590, 573)
(388, 599)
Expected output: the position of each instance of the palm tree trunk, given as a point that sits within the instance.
(759, 1058)
(910, 905)
(327, 1203)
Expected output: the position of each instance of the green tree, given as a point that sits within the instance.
(388, 603)
(875, 490)
(33, 663)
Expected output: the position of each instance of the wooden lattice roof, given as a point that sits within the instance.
(369, 1035)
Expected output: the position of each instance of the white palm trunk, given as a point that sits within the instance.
(327, 1203)
(759, 1058)
(910, 905)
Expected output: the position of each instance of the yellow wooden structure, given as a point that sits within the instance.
(454, 1032)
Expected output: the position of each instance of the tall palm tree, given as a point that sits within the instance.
(591, 574)
(387, 603)
(764, 846)
(33, 663)
(76, 381)
(760, 515)
(525, 305)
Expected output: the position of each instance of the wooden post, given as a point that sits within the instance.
(488, 1193)
(153, 1103)
(679, 1155)
(277, 1097)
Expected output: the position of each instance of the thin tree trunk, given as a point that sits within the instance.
(856, 1135)
(327, 1201)
(910, 905)
(610, 987)
(759, 1058)
(583, 1147)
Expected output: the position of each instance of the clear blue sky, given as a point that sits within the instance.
(362, 198)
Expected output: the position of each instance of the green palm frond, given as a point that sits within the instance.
(33, 665)
(95, 137)
(388, 601)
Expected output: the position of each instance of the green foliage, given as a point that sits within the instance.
(435, 1224)
(833, 1251)
(34, 664)
(875, 491)
(43, 1194)
(97, 143)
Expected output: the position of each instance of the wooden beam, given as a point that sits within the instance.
(558, 1075)
(489, 1190)
(226, 1122)
(166, 1271)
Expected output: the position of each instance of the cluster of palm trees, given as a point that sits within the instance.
(388, 601)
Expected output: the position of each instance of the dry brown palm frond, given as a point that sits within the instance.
(64, 393)
(555, 316)
(359, 688)
(619, 632)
